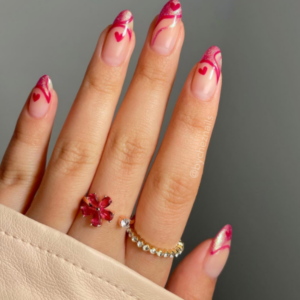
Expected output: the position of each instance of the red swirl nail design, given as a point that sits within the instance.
(43, 85)
(123, 20)
(210, 58)
(222, 240)
(172, 10)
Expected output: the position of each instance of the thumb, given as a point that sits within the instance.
(196, 276)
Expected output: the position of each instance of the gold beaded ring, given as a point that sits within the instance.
(142, 244)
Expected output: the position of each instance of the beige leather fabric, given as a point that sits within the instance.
(38, 262)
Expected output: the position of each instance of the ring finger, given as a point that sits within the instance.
(172, 184)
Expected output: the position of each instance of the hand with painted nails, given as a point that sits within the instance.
(98, 166)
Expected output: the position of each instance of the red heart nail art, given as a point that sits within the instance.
(174, 6)
(119, 36)
(36, 97)
(228, 234)
(203, 71)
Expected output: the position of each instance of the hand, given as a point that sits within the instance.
(111, 158)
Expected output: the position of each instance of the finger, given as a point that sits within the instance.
(23, 164)
(134, 134)
(172, 184)
(80, 144)
(196, 276)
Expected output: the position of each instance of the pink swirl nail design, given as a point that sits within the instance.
(43, 85)
(222, 240)
(172, 10)
(210, 58)
(123, 20)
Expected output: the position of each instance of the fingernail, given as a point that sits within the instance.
(118, 39)
(40, 97)
(219, 251)
(166, 30)
(207, 74)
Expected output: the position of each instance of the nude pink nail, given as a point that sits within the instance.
(166, 30)
(40, 97)
(219, 251)
(117, 42)
(207, 74)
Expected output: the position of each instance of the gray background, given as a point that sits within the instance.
(252, 173)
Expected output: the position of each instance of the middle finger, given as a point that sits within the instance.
(134, 134)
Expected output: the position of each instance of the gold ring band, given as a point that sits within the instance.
(147, 247)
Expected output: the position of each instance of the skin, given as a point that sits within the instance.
(115, 157)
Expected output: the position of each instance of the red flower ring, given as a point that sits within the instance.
(93, 207)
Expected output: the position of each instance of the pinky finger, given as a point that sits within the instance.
(196, 276)
(23, 164)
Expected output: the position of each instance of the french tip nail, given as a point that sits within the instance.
(219, 252)
(214, 53)
(116, 46)
(163, 40)
(40, 97)
(208, 73)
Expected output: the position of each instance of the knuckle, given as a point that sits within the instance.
(130, 151)
(21, 136)
(73, 157)
(100, 85)
(153, 75)
(20, 171)
(173, 189)
(190, 121)
(11, 174)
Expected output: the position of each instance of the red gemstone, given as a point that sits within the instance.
(93, 199)
(105, 202)
(85, 210)
(107, 215)
(96, 220)
(91, 206)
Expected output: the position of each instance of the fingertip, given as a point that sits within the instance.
(166, 31)
(189, 281)
(118, 40)
(207, 75)
(41, 98)
(218, 253)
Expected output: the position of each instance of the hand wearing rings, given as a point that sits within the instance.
(101, 151)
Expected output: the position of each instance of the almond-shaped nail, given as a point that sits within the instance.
(207, 74)
(219, 251)
(166, 29)
(40, 98)
(116, 46)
